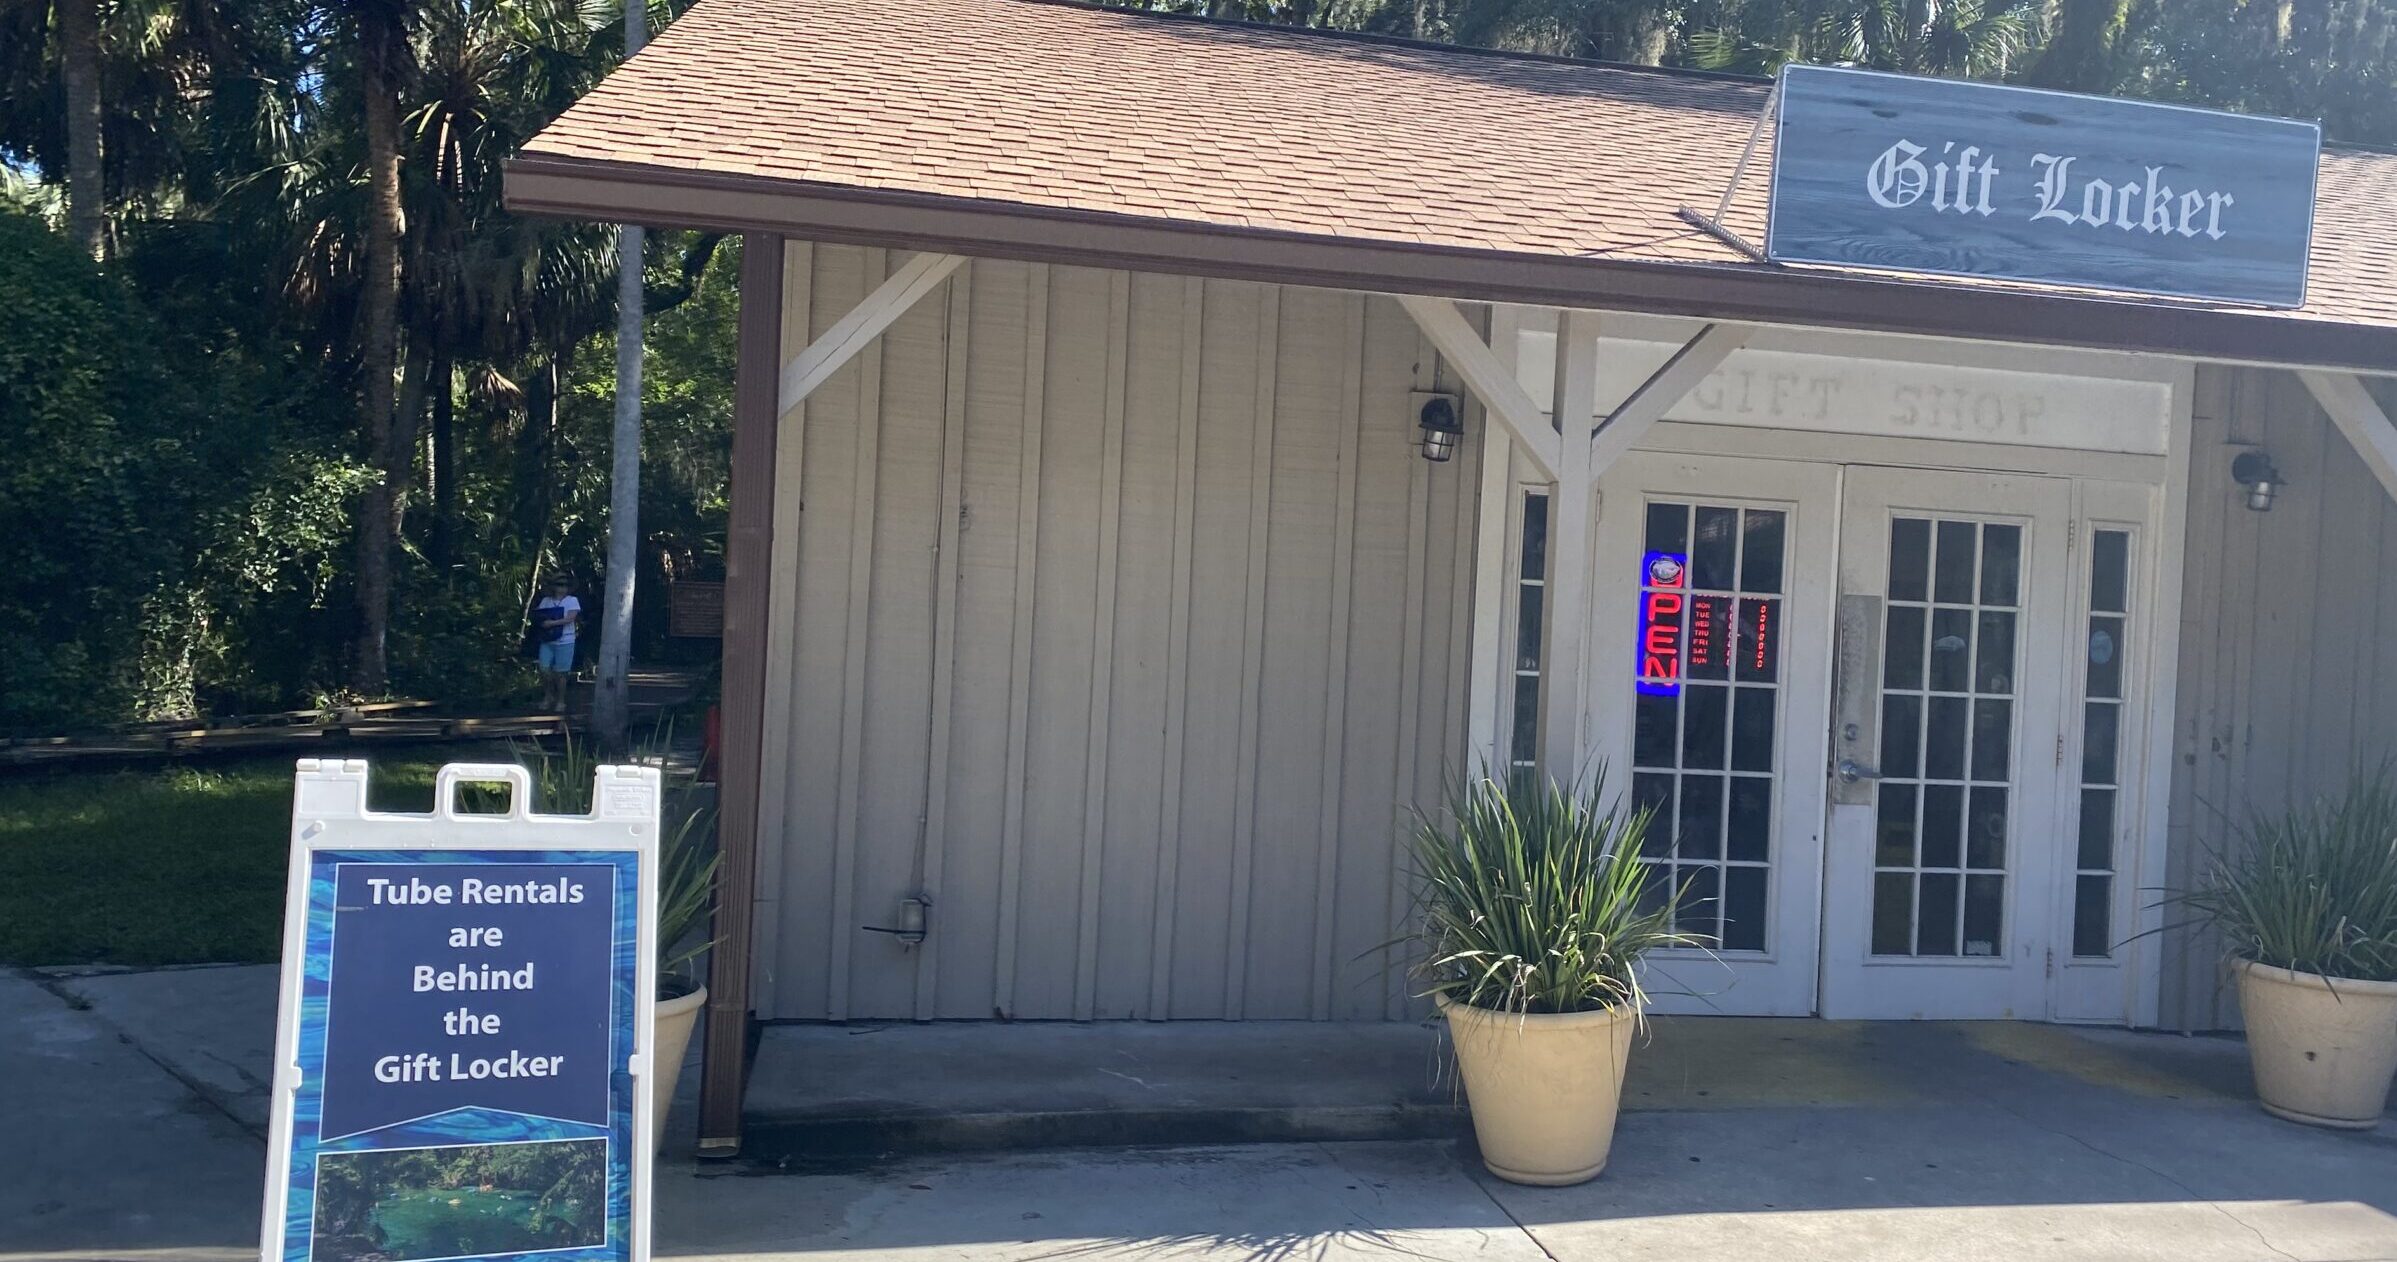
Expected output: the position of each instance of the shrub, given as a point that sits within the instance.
(170, 493)
(1530, 897)
(2314, 890)
(687, 858)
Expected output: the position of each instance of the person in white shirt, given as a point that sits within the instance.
(555, 619)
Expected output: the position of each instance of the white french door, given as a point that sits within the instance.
(1888, 724)
(1946, 776)
(1713, 577)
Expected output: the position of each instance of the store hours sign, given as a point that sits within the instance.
(462, 1046)
(1948, 177)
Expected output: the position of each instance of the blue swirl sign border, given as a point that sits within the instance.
(462, 1127)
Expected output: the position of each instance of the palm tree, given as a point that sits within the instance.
(1961, 38)
(79, 59)
(489, 292)
(380, 33)
(2084, 52)
(610, 707)
(78, 42)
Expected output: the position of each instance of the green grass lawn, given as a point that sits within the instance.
(171, 865)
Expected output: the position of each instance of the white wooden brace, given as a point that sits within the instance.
(853, 332)
(2361, 418)
(1668, 385)
(1490, 379)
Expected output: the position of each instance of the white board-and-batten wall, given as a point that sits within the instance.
(2288, 659)
(1119, 617)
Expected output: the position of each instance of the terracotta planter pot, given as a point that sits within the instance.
(2324, 1050)
(1544, 1088)
(676, 1018)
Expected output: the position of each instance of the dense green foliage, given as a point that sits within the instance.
(90, 456)
(2315, 890)
(2335, 60)
(172, 488)
(1530, 897)
(204, 463)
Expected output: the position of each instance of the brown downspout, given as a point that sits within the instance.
(749, 553)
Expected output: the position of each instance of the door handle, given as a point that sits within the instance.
(1856, 698)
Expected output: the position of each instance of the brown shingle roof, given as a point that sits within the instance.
(1100, 115)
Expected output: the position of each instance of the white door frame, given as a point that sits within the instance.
(2009, 976)
(2104, 988)
(1781, 980)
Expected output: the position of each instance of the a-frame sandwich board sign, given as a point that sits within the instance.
(463, 1038)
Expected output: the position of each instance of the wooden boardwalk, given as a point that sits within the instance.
(339, 729)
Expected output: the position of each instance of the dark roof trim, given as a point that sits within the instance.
(574, 188)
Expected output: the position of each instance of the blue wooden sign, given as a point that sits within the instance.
(1953, 178)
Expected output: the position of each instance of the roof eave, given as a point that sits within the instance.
(578, 188)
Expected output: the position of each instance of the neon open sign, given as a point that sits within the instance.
(1688, 635)
(1663, 649)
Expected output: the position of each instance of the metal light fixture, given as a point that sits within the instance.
(1442, 426)
(2254, 471)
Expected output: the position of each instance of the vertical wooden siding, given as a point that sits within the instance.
(1196, 643)
(2284, 684)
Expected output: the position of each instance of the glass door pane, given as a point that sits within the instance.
(1706, 701)
(1945, 795)
(1711, 592)
(1950, 659)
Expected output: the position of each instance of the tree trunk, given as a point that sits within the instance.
(407, 432)
(2080, 57)
(378, 518)
(79, 58)
(611, 711)
(441, 461)
(540, 441)
(611, 717)
(1639, 34)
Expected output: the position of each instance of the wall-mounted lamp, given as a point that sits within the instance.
(1442, 425)
(2253, 470)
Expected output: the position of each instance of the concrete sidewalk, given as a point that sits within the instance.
(114, 1152)
(138, 1101)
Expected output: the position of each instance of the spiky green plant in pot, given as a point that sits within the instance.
(686, 879)
(1532, 914)
(2306, 903)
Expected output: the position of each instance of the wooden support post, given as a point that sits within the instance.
(2361, 418)
(749, 563)
(852, 333)
(1488, 375)
(1571, 517)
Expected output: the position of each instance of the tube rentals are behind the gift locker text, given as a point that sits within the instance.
(463, 1037)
